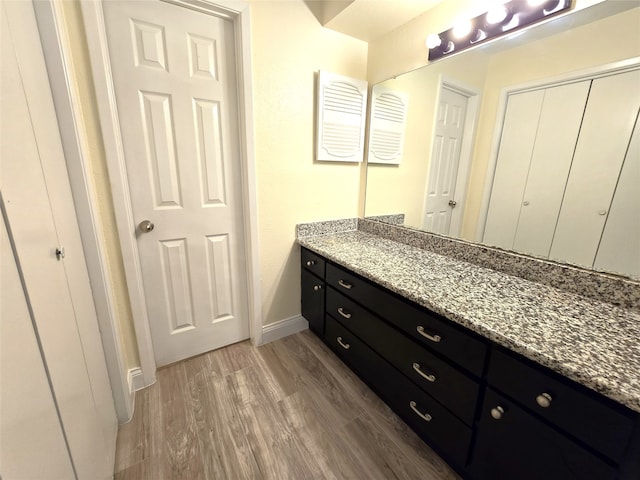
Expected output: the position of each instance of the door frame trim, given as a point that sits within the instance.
(238, 12)
(56, 48)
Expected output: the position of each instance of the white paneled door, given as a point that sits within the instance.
(445, 158)
(175, 85)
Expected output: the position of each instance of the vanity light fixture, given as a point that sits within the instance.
(502, 19)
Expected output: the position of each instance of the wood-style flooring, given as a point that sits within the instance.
(286, 410)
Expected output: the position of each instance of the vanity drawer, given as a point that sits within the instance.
(513, 444)
(454, 389)
(438, 334)
(424, 415)
(312, 262)
(591, 419)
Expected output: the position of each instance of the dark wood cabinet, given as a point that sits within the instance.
(313, 288)
(436, 333)
(580, 413)
(313, 293)
(512, 443)
(453, 388)
(491, 413)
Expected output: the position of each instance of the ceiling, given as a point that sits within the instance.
(367, 19)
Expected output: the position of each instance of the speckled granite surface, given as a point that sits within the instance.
(397, 219)
(594, 343)
(619, 291)
(304, 230)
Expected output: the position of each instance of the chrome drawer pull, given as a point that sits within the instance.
(497, 412)
(429, 378)
(346, 346)
(344, 284)
(317, 288)
(311, 263)
(343, 313)
(433, 338)
(544, 400)
(425, 416)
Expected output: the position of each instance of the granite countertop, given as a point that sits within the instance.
(593, 343)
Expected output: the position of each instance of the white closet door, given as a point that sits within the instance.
(558, 131)
(619, 249)
(40, 215)
(604, 137)
(32, 443)
(516, 148)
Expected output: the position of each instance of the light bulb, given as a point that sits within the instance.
(433, 41)
(496, 14)
(462, 29)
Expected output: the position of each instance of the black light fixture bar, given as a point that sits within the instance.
(501, 20)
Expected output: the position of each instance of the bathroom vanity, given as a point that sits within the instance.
(504, 377)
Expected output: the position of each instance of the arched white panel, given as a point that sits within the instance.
(342, 105)
(388, 119)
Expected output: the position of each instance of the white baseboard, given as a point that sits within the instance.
(135, 379)
(283, 328)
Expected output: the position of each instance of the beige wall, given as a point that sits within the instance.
(288, 47)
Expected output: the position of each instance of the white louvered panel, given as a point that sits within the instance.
(342, 103)
(388, 119)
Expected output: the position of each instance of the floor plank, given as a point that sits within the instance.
(287, 410)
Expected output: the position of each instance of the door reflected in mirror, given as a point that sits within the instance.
(529, 147)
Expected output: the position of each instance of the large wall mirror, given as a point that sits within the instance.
(531, 143)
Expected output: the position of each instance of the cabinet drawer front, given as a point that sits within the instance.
(313, 292)
(438, 334)
(312, 262)
(424, 415)
(518, 445)
(593, 420)
(454, 389)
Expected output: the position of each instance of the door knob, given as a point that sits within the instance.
(452, 203)
(146, 226)
(497, 412)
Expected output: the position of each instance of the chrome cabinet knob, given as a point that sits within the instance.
(310, 263)
(544, 400)
(317, 288)
(146, 226)
(497, 412)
